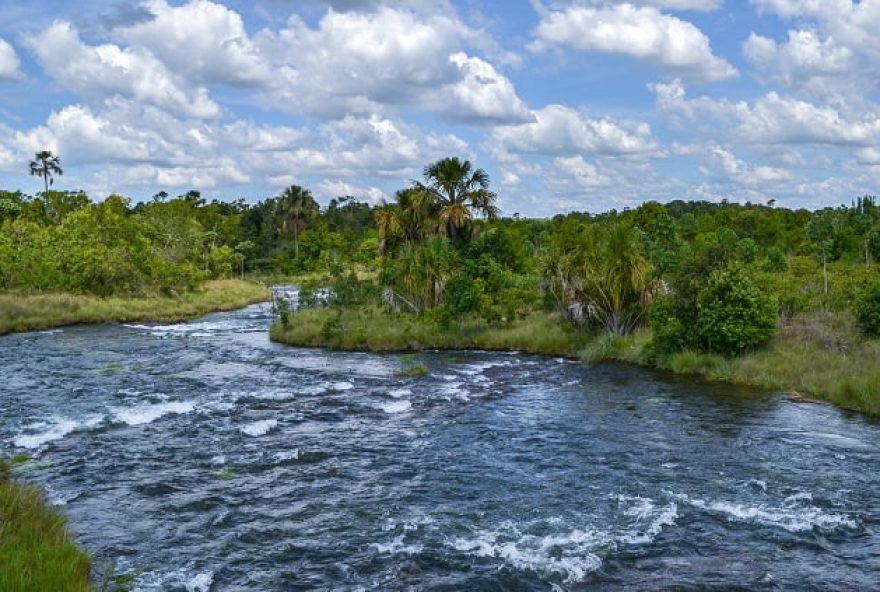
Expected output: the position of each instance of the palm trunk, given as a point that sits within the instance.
(295, 240)
(46, 182)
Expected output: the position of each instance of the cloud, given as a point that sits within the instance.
(644, 33)
(804, 61)
(576, 171)
(9, 63)
(141, 146)
(367, 62)
(559, 130)
(331, 188)
(201, 40)
(723, 163)
(103, 70)
(773, 118)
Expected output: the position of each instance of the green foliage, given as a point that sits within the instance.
(868, 309)
(602, 276)
(36, 551)
(734, 314)
(414, 371)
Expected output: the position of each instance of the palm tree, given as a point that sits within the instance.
(410, 218)
(422, 270)
(459, 192)
(294, 209)
(45, 164)
(605, 277)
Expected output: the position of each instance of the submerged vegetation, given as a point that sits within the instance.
(36, 550)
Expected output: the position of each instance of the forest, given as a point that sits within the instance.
(694, 278)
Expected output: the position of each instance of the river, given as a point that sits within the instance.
(215, 460)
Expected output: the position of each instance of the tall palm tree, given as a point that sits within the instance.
(294, 209)
(460, 192)
(45, 164)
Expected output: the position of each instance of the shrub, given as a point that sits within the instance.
(733, 313)
(669, 334)
(868, 309)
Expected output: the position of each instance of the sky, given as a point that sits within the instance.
(568, 104)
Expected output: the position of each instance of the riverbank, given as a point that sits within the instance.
(36, 551)
(818, 355)
(29, 312)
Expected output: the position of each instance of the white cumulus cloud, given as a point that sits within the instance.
(104, 70)
(644, 33)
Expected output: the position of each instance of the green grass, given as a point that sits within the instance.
(816, 354)
(371, 329)
(414, 371)
(225, 474)
(820, 355)
(28, 312)
(36, 550)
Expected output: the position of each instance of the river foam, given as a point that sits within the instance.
(144, 414)
(792, 515)
(259, 428)
(55, 429)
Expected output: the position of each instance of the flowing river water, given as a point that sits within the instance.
(212, 459)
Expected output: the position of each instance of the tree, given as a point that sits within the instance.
(45, 165)
(459, 192)
(295, 208)
(734, 314)
(605, 277)
(410, 218)
(823, 230)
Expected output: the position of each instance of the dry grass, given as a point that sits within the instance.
(28, 312)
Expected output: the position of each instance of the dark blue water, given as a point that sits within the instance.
(215, 460)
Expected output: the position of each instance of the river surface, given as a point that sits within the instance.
(213, 460)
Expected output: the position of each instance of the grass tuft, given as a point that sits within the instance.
(414, 371)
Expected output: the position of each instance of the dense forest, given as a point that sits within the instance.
(714, 277)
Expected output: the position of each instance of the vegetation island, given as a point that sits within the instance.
(745, 293)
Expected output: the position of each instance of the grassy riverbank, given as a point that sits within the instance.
(36, 551)
(819, 355)
(28, 312)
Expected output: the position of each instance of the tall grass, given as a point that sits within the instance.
(36, 551)
(28, 312)
(372, 329)
(818, 354)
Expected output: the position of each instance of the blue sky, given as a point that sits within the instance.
(568, 104)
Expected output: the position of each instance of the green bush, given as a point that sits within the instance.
(669, 334)
(733, 313)
(868, 309)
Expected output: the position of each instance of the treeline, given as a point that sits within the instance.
(715, 277)
(63, 241)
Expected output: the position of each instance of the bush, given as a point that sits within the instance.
(733, 313)
(669, 334)
(868, 310)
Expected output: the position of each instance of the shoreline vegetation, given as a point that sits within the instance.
(813, 356)
(20, 311)
(36, 549)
